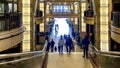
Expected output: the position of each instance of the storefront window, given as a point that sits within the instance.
(10, 7)
(9, 0)
(15, 7)
(61, 8)
(15, 0)
(9, 17)
(1, 8)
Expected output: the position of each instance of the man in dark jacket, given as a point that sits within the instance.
(85, 45)
(69, 44)
(52, 45)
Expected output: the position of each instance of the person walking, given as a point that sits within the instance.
(85, 45)
(47, 38)
(48, 46)
(69, 44)
(52, 45)
(60, 44)
(56, 28)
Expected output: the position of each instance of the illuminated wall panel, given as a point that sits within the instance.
(76, 21)
(83, 8)
(47, 9)
(104, 41)
(47, 20)
(42, 9)
(42, 27)
(76, 9)
(26, 24)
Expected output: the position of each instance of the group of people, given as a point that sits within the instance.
(67, 41)
(63, 41)
(50, 45)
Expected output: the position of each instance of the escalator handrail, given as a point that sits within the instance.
(106, 52)
(27, 54)
(22, 59)
(13, 55)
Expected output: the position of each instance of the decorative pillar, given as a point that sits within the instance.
(104, 26)
(83, 25)
(26, 24)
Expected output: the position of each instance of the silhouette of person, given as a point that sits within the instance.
(85, 45)
(52, 45)
(60, 44)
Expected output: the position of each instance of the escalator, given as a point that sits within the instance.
(35, 59)
(104, 59)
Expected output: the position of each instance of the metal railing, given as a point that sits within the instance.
(95, 50)
(104, 59)
(62, 12)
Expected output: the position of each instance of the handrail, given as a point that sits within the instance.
(105, 52)
(34, 53)
(18, 60)
(27, 55)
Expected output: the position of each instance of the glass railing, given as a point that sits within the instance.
(62, 12)
(10, 21)
(89, 13)
(104, 59)
(116, 18)
(23, 60)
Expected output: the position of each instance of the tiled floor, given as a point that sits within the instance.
(73, 60)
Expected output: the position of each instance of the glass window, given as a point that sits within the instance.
(55, 8)
(1, 8)
(10, 7)
(83, 0)
(65, 8)
(15, 0)
(15, 7)
(41, 0)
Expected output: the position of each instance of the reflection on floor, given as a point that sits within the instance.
(73, 60)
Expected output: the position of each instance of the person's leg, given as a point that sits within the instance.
(67, 48)
(62, 49)
(52, 49)
(59, 49)
(86, 54)
(83, 52)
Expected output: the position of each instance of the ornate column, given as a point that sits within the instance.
(104, 25)
(26, 24)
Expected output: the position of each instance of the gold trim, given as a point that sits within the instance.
(89, 20)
